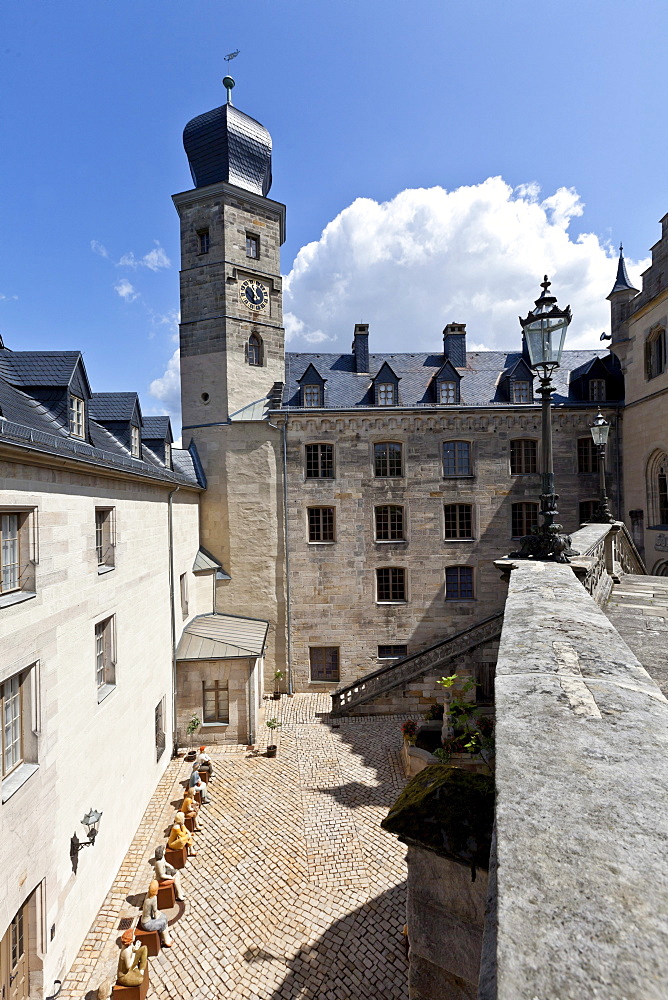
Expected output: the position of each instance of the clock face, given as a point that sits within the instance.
(253, 294)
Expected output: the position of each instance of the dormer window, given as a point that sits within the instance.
(77, 417)
(597, 389)
(312, 395)
(521, 392)
(168, 454)
(447, 393)
(386, 394)
(135, 441)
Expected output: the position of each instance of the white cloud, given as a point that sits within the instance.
(154, 260)
(99, 248)
(126, 290)
(8, 298)
(167, 388)
(474, 255)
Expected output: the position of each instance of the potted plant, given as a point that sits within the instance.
(272, 724)
(193, 726)
(278, 677)
(465, 733)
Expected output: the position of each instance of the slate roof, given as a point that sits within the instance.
(228, 145)
(38, 368)
(112, 405)
(156, 429)
(479, 386)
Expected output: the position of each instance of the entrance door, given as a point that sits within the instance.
(14, 959)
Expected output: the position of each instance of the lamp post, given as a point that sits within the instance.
(92, 823)
(599, 432)
(545, 331)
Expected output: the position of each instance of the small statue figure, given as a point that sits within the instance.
(104, 990)
(166, 873)
(190, 809)
(197, 785)
(204, 762)
(132, 960)
(151, 918)
(179, 836)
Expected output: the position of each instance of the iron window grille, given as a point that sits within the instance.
(524, 518)
(458, 521)
(597, 389)
(215, 702)
(389, 523)
(203, 241)
(391, 584)
(523, 457)
(587, 456)
(321, 524)
(319, 461)
(324, 663)
(459, 583)
(456, 458)
(387, 456)
(396, 652)
(252, 246)
(77, 417)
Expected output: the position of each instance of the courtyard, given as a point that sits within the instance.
(295, 891)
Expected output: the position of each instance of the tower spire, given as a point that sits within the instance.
(622, 283)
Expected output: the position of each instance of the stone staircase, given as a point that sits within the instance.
(401, 672)
(638, 608)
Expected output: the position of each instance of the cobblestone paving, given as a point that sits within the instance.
(638, 608)
(295, 892)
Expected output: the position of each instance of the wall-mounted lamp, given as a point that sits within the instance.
(92, 823)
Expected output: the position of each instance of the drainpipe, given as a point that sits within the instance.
(172, 610)
(288, 611)
(620, 512)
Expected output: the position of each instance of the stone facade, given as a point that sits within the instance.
(190, 680)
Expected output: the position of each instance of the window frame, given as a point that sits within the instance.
(457, 474)
(383, 389)
(76, 411)
(389, 507)
(203, 241)
(160, 733)
(253, 239)
(522, 387)
(183, 592)
(533, 457)
(27, 553)
(325, 679)
(168, 455)
(255, 351)
(587, 464)
(655, 352)
(216, 687)
(309, 464)
(517, 515)
(322, 529)
(471, 522)
(597, 395)
(135, 441)
(105, 671)
(392, 584)
(386, 459)
(394, 656)
(447, 590)
(105, 538)
(595, 504)
(448, 387)
(310, 392)
(16, 698)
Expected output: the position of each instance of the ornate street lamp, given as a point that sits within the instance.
(545, 331)
(92, 823)
(599, 432)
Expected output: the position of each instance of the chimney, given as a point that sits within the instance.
(454, 344)
(361, 347)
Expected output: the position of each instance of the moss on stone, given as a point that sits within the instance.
(448, 810)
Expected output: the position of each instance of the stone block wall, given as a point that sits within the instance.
(190, 678)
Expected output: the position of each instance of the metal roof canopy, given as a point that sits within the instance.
(222, 637)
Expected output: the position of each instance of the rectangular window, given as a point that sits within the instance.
(77, 419)
(252, 246)
(447, 392)
(386, 394)
(12, 724)
(203, 241)
(459, 583)
(597, 389)
(387, 459)
(311, 395)
(523, 457)
(321, 524)
(160, 740)
(105, 655)
(524, 518)
(655, 353)
(319, 461)
(392, 652)
(662, 484)
(9, 553)
(458, 520)
(183, 586)
(588, 510)
(587, 455)
(216, 701)
(104, 536)
(389, 523)
(484, 683)
(135, 441)
(168, 455)
(391, 584)
(521, 392)
(456, 458)
(324, 663)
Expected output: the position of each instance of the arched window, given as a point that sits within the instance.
(655, 352)
(657, 488)
(254, 350)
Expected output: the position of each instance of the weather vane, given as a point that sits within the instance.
(228, 82)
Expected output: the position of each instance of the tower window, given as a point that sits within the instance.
(203, 241)
(252, 246)
(254, 350)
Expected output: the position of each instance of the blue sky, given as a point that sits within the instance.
(365, 100)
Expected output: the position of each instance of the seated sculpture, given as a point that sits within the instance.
(196, 784)
(152, 919)
(166, 873)
(179, 836)
(204, 762)
(132, 960)
(190, 809)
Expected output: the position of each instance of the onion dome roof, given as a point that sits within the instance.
(227, 145)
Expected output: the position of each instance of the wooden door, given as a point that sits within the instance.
(14, 958)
